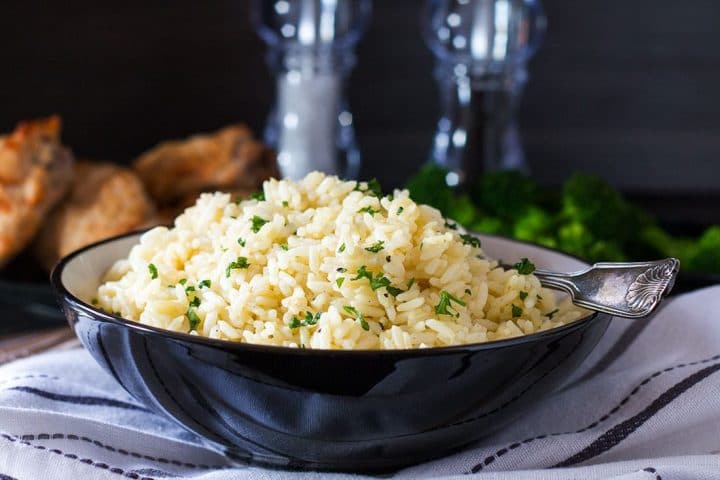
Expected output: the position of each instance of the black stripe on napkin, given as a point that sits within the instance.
(80, 400)
(76, 458)
(6, 477)
(29, 437)
(488, 460)
(622, 430)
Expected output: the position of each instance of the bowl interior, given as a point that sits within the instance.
(84, 270)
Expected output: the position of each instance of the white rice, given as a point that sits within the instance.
(315, 235)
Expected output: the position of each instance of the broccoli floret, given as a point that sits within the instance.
(603, 211)
(461, 210)
(488, 224)
(575, 238)
(537, 226)
(606, 251)
(428, 186)
(658, 243)
(505, 194)
(533, 225)
(705, 256)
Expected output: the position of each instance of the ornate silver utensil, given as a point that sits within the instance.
(630, 290)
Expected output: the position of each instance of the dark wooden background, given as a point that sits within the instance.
(626, 89)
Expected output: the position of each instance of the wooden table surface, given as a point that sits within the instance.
(20, 345)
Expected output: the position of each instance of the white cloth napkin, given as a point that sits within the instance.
(644, 406)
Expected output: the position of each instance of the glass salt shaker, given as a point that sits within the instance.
(482, 48)
(311, 45)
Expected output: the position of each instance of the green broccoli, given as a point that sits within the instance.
(505, 194)
(705, 256)
(536, 225)
(486, 224)
(658, 243)
(462, 210)
(600, 208)
(589, 219)
(428, 186)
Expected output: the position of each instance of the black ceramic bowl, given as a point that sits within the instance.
(325, 409)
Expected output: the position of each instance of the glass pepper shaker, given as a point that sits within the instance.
(482, 48)
(311, 45)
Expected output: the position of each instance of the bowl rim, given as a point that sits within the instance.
(97, 314)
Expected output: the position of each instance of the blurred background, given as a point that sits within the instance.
(626, 90)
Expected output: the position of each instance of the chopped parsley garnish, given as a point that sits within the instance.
(241, 263)
(171, 286)
(376, 282)
(205, 283)
(369, 210)
(284, 246)
(470, 240)
(257, 223)
(342, 248)
(339, 281)
(400, 210)
(193, 318)
(153, 271)
(373, 188)
(516, 311)
(358, 315)
(94, 301)
(362, 273)
(189, 289)
(182, 281)
(552, 314)
(410, 283)
(341, 269)
(394, 291)
(195, 302)
(259, 196)
(285, 203)
(376, 247)
(524, 267)
(309, 320)
(379, 282)
(523, 295)
(237, 200)
(468, 291)
(450, 225)
(241, 241)
(444, 306)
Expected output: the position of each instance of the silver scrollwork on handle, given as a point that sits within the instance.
(649, 286)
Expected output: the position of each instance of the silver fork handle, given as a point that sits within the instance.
(630, 290)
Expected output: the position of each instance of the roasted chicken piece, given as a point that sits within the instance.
(104, 200)
(225, 160)
(35, 172)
